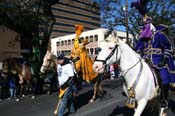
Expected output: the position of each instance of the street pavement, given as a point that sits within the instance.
(112, 104)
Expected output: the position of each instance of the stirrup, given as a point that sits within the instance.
(164, 104)
(162, 112)
(131, 101)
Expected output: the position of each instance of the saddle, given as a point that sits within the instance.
(154, 71)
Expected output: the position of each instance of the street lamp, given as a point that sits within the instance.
(125, 9)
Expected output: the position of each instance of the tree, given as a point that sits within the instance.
(162, 12)
(31, 19)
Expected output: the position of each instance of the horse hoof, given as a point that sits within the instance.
(55, 112)
(48, 92)
(23, 95)
(164, 114)
(92, 100)
(17, 100)
(33, 97)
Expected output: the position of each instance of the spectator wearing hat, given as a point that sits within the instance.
(65, 77)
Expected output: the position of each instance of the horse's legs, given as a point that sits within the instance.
(162, 112)
(100, 89)
(21, 90)
(31, 88)
(97, 88)
(21, 82)
(141, 105)
(95, 93)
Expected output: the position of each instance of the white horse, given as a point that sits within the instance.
(141, 84)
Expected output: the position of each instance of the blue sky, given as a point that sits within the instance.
(121, 28)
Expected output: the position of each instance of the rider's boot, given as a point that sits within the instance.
(164, 99)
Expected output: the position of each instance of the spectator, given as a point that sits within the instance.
(116, 69)
(65, 77)
(4, 84)
(12, 85)
(112, 73)
(0, 86)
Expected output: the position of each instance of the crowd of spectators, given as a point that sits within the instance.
(9, 86)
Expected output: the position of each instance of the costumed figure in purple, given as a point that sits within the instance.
(154, 45)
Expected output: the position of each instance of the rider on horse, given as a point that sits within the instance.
(83, 63)
(79, 52)
(156, 47)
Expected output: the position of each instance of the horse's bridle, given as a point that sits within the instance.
(109, 56)
(47, 65)
(112, 53)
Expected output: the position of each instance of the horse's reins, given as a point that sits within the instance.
(47, 65)
(112, 53)
(130, 68)
(109, 56)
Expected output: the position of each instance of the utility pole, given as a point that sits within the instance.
(126, 21)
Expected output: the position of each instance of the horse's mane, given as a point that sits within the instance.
(116, 38)
(107, 33)
(52, 56)
(122, 43)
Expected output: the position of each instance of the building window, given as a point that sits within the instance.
(91, 51)
(69, 52)
(87, 38)
(72, 41)
(62, 43)
(91, 38)
(69, 42)
(58, 43)
(65, 43)
(97, 50)
(81, 39)
(96, 37)
(58, 53)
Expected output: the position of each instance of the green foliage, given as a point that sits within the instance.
(19, 15)
(161, 11)
(30, 18)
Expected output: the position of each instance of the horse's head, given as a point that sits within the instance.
(108, 52)
(48, 62)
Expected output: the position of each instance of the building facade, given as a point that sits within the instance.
(9, 44)
(68, 13)
(64, 44)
